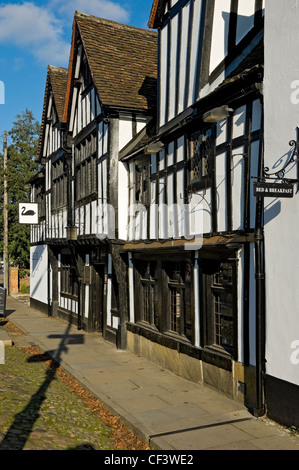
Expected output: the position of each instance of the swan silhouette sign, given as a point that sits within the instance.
(28, 213)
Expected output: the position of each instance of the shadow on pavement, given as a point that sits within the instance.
(8, 312)
(26, 418)
(82, 447)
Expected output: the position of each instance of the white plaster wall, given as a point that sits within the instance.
(245, 21)
(163, 74)
(237, 179)
(194, 51)
(281, 216)
(123, 201)
(183, 55)
(220, 33)
(221, 191)
(173, 67)
(38, 273)
(125, 130)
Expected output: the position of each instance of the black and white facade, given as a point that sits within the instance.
(191, 248)
(162, 227)
(280, 214)
(79, 275)
(48, 189)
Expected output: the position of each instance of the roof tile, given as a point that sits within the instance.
(122, 60)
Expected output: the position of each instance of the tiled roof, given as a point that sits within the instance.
(58, 79)
(122, 60)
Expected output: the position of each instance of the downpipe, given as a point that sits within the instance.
(260, 301)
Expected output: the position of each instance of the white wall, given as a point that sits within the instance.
(179, 61)
(220, 33)
(39, 273)
(281, 215)
(125, 135)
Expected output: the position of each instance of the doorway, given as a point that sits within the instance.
(97, 298)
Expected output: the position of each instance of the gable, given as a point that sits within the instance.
(122, 61)
(54, 102)
(58, 79)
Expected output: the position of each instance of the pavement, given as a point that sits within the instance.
(161, 408)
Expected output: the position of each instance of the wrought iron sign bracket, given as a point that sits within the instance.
(277, 184)
(280, 174)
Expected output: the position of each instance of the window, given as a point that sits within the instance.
(86, 75)
(223, 307)
(201, 155)
(39, 197)
(148, 291)
(142, 183)
(86, 169)
(219, 304)
(68, 278)
(179, 298)
(114, 295)
(59, 184)
(163, 296)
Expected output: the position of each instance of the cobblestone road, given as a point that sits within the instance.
(39, 410)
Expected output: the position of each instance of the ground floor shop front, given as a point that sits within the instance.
(191, 311)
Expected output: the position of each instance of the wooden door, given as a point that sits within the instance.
(97, 298)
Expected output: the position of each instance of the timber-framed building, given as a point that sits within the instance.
(105, 97)
(192, 250)
(151, 233)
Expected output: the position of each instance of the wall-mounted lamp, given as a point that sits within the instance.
(154, 147)
(217, 114)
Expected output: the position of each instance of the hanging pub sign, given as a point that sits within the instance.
(28, 213)
(273, 190)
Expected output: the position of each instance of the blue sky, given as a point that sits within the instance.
(36, 33)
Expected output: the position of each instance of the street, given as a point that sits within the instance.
(39, 412)
(44, 409)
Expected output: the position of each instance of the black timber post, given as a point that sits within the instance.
(121, 271)
(260, 298)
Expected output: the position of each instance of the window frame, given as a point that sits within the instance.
(59, 174)
(160, 319)
(40, 198)
(69, 285)
(209, 289)
(150, 318)
(177, 320)
(223, 291)
(142, 182)
(206, 146)
(85, 157)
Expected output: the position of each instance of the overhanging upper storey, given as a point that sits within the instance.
(201, 44)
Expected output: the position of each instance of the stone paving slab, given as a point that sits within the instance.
(159, 406)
